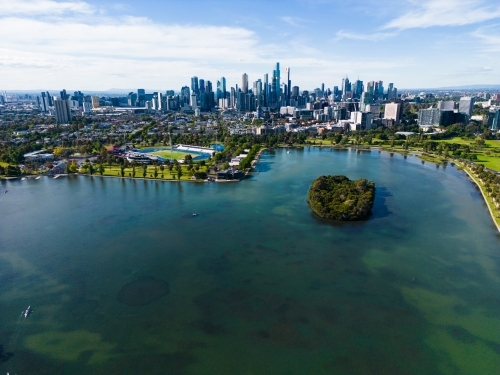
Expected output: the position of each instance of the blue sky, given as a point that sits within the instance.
(98, 45)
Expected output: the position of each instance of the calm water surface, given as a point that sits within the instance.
(123, 279)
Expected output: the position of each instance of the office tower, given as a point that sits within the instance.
(362, 120)
(370, 86)
(185, 96)
(358, 89)
(44, 104)
(132, 99)
(223, 86)
(202, 85)
(240, 103)
(276, 89)
(465, 105)
(295, 92)
(218, 93)
(64, 95)
(267, 92)
(494, 118)
(141, 97)
(429, 117)
(170, 93)
(346, 85)
(392, 92)
(194, 85)
(244, 83)
(233, 98)
(86, 108)
(288, 93)
(378, 90)
(194, 101)
(366, 99)
(63, 112)
(393, 111)
(446, 105)
(210, 97)
(95, 102)
(50, 99)
(322, 87)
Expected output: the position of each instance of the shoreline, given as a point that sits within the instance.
(257, 159)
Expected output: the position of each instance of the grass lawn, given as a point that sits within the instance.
(488, 143)
(176, 155)
(490, 161)
(116, 172)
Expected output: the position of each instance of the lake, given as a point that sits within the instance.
(122, 278)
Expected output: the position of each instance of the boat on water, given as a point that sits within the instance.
(27, 312)
(37, 178)
(24, 178)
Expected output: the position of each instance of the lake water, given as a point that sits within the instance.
(123, 279)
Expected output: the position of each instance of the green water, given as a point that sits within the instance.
(257, 285)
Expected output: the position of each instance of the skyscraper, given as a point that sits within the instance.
(244, 83)
(64, 95)
(288, 85)
(63, 112)
(202, 85)
(276, 83)
(465, 105)
(223, 87)
(194, 85)
(346, 85)
(267, 92)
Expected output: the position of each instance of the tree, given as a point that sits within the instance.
(162, 168)
(122, 170)
(101, 169)
(91, 169)
(133, 171)
(144, 170)
(179, 173)
(156, 172)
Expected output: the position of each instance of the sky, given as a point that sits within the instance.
(161, 44)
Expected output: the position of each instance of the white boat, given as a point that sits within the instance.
(27, 312)
(37, 178)
(24, 178)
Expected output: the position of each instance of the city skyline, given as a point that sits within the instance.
(90, 45)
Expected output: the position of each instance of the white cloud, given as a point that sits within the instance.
(293, 21)
(444, 13)
(43, 7)
(490, 41)
(374, 37)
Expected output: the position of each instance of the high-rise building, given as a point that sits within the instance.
(131, 99)
(63, 112)
(358, 89)
(95, 102)
(194, 101)
(429, 117)
(366, 99)
(276, 83)
(244, 83)
(223, 86)
(267, 91)
(295, 92)
(44, 102)
(288, 93)
(446, 105)
(466, 105)
(64, 95)
(494, 118)
(194, 85)
(393, 111)
(346, 85)
(202, 85)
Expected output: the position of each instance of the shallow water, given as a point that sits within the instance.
(255, 283)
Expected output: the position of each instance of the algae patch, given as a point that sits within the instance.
(69, 346)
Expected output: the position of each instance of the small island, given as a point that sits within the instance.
(338, 198)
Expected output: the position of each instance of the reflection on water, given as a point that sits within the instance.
(124, 279)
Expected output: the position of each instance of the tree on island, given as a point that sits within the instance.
(338, 198)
